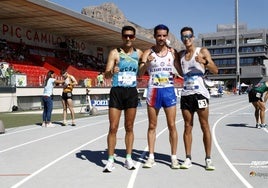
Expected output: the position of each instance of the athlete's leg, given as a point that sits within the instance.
(130, 115)
(173, 134)
(203, 119)
(151, 134)
(187, 134)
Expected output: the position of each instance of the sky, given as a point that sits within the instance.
(202, 15)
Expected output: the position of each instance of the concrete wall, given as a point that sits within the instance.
(30, 98)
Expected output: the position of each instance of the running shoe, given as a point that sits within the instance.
(186, 164)
(263, 125)
(129, 164)
(175, 164)
(109, 166)
(73, 124)
(50, 125)
(258, 126)
(209, 165)
(44, 124)
(149, 163)
(64, 123)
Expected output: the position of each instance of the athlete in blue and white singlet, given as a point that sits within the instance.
(159, 61)
(161, 84)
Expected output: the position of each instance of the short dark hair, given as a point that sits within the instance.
(160, 27)
(63, 71)
(187, 29)
(127, 28)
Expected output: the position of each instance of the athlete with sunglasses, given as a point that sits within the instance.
(194, 95)
(122, 66)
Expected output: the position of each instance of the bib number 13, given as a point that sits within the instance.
(202, 103)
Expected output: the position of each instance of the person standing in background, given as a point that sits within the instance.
(159, 61)
(100, 79)
(47, 98)
(255, 97)
(3, 74)
(194, 95)
(122, 67)
(67, 96)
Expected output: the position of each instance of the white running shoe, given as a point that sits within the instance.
(129, 164)
(109, 166)
(209, 165)
(175, 164)
(44, 124)
(149, 163)
(50, 125)
(186, 164)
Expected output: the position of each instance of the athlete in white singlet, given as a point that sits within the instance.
(159, 63)
(194, 95)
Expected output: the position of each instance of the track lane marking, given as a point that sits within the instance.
(235, 171)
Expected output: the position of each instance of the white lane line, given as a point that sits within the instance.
(60, 158)
(240, 177)
(43, 138)
(138, 164)
(19, 131)
(242, 164)
(53, 162)
(265, 129)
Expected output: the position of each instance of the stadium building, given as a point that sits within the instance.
(253, 54)
(37, 36)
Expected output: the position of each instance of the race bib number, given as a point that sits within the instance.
(160, 79)
(189, 83)
(202, 103)
(69, 94)
(126, 79)
(258, 95)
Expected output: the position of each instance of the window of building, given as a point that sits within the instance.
(227, 50)
(220, 42)
(207, 42)
(217, 51)
(259, 49)
(229, 42)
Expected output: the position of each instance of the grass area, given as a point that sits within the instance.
(12, 119)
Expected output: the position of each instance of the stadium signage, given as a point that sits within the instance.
(13, 33)
(99, 102)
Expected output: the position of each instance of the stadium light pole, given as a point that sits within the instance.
(237, 47)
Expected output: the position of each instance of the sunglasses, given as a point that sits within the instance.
(184, 37)
(128, 36)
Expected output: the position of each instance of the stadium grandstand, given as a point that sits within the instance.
(38, 35)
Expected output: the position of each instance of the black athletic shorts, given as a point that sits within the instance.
(66, 96)
(194, 102)
(254, 96)
(123, 98)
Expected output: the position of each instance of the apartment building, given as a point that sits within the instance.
(253, 56)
